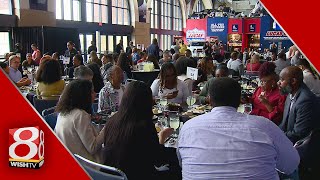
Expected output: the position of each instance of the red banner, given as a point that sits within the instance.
(252, 25)
(235, 26)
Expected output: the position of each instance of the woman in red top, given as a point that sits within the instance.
(267, 100)
(36, 55)
(254, 63)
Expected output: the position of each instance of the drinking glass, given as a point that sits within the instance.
(240, 108)
(66, 71)
(163, 102)
(157, 101)
(191, 100)
(174, 123)
(247, 108)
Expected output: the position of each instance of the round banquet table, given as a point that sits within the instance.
(147, 77)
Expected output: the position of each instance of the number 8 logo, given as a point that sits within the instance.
(41, 145)
(32, 146)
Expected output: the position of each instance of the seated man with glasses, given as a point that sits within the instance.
(14, 73)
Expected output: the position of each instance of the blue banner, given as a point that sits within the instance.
(218, 26)
(271, 32)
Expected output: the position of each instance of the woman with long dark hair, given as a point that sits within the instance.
(74, 127)
(49, 80)
(153, 59)
(124, 64)
(181, 66)
(131, 140)
(169, 86)
(97, 78)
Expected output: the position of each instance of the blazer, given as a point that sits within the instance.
(301, 120)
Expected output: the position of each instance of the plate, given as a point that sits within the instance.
(22, 88)
(197, 111)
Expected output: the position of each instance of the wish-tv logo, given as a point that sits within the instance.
(26, 147)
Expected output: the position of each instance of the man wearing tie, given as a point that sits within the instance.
(300, 110)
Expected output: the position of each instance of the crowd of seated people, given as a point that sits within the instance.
(259, 145)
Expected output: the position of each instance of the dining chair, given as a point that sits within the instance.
(50, 117)
(42, 104)
(109, 173)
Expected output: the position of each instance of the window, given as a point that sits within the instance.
(103, 44)
(199, 6)
(89, 38)
(81, 37)
(110, 44)
(118, 38)
(120, 12)
(68, 10)
(164, 41)
(98, 41)
(97, 11)
(5, 7)
(167, 13)
(4, 43)
(125, 42)
(178, 18)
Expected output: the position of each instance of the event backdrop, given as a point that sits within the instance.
(271, 32)
(218, 26)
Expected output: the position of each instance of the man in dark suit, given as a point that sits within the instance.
(119, 47)
(300, 109)
(70, 52)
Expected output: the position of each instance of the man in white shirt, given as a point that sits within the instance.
(225, 144)
(235, 64)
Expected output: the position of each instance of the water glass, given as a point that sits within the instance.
(191, 100)
(66, 71)
(163, 102)
(157, 101)
(174, 123)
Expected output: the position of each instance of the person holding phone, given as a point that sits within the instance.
(167, 85)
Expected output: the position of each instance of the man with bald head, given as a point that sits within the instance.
(300, 110)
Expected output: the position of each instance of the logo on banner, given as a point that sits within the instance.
(235, 28)
(195, 34)
(276, 35)
(26, 147)
(217, 27)
(252, 28)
